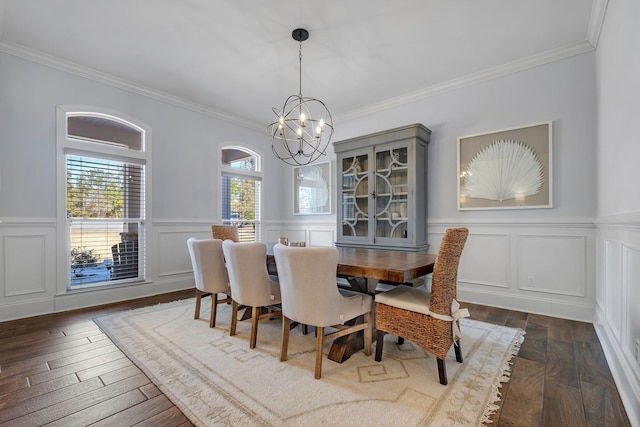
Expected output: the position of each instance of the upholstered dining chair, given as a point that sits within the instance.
(310, 296)
(251, 285)
(428, 319)
(225, 232)
(210, 274)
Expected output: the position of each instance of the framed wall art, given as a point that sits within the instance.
(506, 169)
(312, 189)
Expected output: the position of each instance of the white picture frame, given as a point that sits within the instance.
(312, 189)
(506, 169)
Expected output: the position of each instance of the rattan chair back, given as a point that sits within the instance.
(225, 232)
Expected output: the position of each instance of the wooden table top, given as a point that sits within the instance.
(392, 266)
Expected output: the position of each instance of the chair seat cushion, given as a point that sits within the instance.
(352, 309)
(406, 298)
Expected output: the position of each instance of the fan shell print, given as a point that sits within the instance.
(503, 170)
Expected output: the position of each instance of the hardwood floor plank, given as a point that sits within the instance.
(45, 357)
(562, 406)
(16, 396)
(37, 348)
(14, 341)
(101, 410)
(88, 354)
(525, 398)
(561, 365)
(172, 417)
(150, 390)
(20, 373)
(560, 330)
(592, 365)
(584, 332)
(76, 367)
(49, 399)
(517, 319)
(103, 368)
(534, 346)
(70, 406)
(593, 403)
(139, 413)
(120, 374)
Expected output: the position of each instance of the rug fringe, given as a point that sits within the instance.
(503, 377)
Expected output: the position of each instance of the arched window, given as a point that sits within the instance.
(103, 157)
(241, 191)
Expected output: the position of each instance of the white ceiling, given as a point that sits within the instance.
(236, 58)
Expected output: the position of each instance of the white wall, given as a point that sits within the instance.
(185, 184)
(618, 243)
(505, 250)
(536, 260)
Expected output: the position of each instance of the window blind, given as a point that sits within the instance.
(105, 211)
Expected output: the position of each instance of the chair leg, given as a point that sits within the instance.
(442, 372)
(379, 341)
(367, 334)
(319, 343)
(458, 350)
(255, 313)
(198, 297)
(305, 329)
(214, 309)
(285, 338)
(234, 318)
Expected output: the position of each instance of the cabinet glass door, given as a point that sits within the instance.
(355, 196)
(391, 193)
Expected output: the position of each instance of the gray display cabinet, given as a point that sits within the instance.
(382, 189)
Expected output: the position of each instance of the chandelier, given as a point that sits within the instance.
(303, 128)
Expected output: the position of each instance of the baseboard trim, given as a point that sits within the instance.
(530, 304)
(74, 301)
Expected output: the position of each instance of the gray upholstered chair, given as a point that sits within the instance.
(310, 296)
(428, 319)
(251, 285)
(210, 274)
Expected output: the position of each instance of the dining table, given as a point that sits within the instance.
(363, 268)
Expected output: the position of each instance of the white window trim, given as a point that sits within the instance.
(66, 145)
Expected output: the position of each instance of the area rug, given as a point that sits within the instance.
(216, 379)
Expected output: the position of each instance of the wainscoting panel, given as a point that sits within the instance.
(613, 291)
(630, 311)
(27, 267)
(553, 263)
(313, 233)
(486, 260)
(173, 254)
(534, 266)
(321, 237)
(24, 264)
(617, 316)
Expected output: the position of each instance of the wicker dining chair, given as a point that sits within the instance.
(225, 232)
(250, 283)
(210, 274)
(428, 319)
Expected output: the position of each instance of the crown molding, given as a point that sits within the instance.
(475, 78)
(596, 21)
(489, 74)
(101, 77)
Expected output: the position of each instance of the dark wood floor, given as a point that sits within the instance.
(61, 370)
